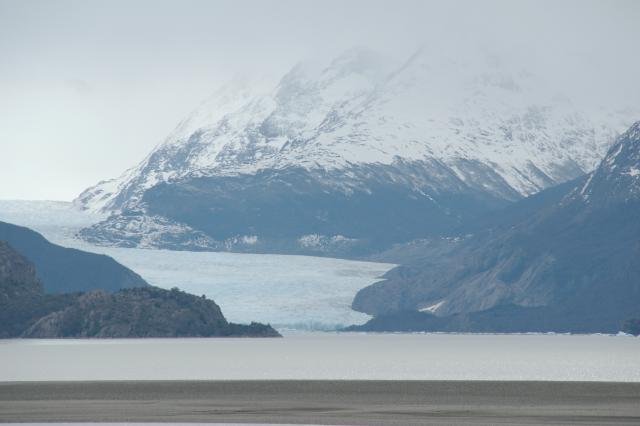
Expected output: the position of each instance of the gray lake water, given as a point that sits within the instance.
(328, 356)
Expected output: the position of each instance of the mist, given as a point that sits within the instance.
(88, 88)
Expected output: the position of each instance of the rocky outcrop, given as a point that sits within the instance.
(27, 311)
(632, 326)
(142, 312)
(22, 301)
(17, 274)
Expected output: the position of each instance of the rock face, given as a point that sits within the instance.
(65, 270)
(26, 311)
(352, 157)
(17, 274)
(632, 326)
(22, 301)
(142, 312)
(563, 260)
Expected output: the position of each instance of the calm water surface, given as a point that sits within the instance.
(328, 356)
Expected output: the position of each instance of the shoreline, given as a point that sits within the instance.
(300, 332)
(345, 402)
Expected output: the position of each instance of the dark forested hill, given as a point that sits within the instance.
(142, 312)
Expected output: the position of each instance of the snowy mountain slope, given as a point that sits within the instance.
(452, 136)
(568, 264)
(247, 130)
(617, 179)
(477, 110)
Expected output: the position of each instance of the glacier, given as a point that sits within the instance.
(289, 292)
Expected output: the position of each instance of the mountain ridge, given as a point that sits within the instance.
(571, 259)
(469, 128)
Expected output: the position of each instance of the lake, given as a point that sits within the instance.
(349, 356)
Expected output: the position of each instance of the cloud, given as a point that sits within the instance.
(148, 63)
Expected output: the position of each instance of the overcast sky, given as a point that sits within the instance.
(88, 88)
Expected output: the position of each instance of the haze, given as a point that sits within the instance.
(88, 88)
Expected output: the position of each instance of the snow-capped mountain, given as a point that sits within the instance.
(423, 146)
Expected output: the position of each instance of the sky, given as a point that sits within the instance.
(88, 88)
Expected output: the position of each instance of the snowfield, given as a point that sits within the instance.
(289, 292)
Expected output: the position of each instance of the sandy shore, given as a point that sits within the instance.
(323, 402)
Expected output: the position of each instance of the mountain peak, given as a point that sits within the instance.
(618, 176)
(633, 133)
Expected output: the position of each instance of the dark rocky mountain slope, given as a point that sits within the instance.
(566, 262)
(22, 300)
(297, 211)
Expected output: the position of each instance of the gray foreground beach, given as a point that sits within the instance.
(323, 402)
